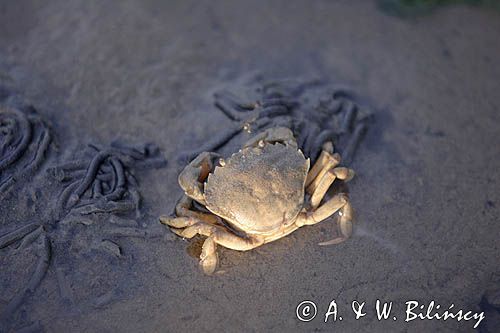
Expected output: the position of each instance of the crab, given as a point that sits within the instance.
(261, 193)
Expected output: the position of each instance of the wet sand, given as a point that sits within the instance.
(425, 194)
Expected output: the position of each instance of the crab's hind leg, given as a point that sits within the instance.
(326, 181)
(326, 161)
(345, 225)
(191, 179)
(338, 202)
(318, 181)
(215, 235)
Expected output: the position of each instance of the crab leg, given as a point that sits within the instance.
(220, 235)
(177, 222)
(323, 137)
(338, 202)
(183, 209)
(208, 257)
(345, 225)
(215, 235)
(326, 161)
(328, 178)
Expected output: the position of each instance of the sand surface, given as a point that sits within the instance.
(426, 193)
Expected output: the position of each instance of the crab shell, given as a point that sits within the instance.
(259, 189)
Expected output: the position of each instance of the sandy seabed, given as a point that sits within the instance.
(135, 80)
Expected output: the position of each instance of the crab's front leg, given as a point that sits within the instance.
(193, 176)
(215, 235)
